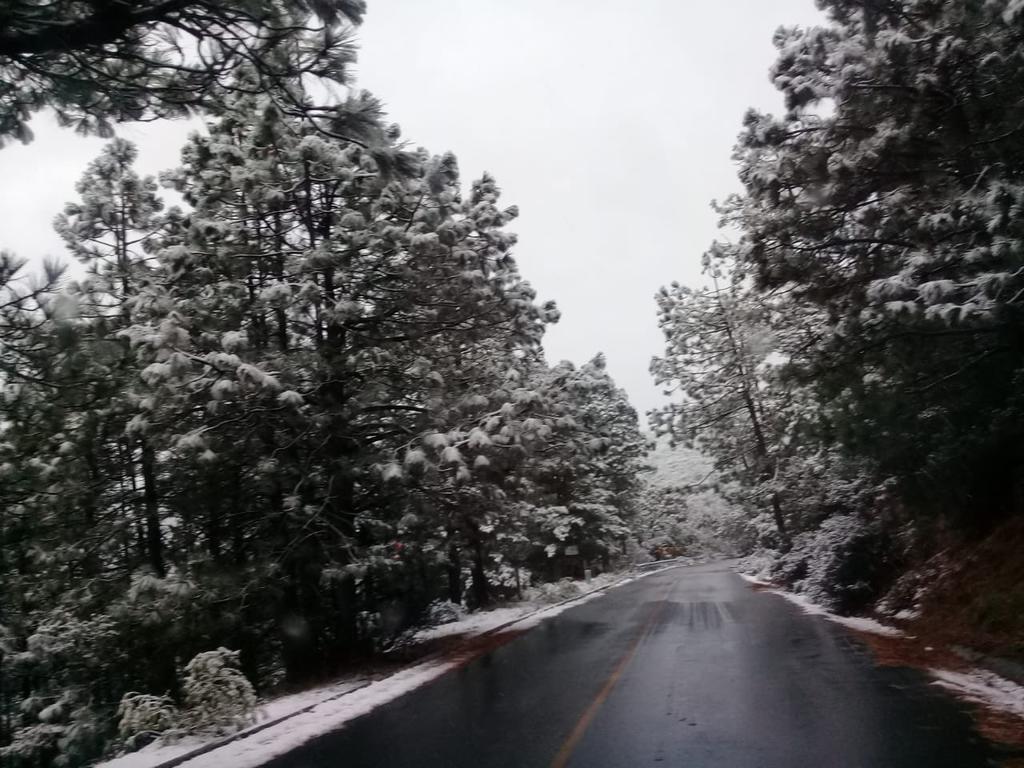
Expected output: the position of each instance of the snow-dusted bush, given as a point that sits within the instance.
(837, 565)
(217, 695)
(34, 744)
(760, 564)
(554, 592)
(444, 612)
(143, 716)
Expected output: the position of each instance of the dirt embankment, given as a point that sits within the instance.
(961, 609)
(970, 595)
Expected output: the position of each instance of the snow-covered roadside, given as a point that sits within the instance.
(258, 748)
(975, 685)
(482, 622)
(859, 623)
(290, 721)
(155, 754)
(983, 687)
(754, 580)
(269, 714)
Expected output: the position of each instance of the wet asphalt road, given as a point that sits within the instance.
(688, 668)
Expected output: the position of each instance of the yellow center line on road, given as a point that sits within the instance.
(569, 745)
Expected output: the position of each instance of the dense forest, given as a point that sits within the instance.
(269, 428)
(854, 362)
(283, 419)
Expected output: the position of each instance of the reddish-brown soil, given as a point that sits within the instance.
(922, 651)
(976, 598)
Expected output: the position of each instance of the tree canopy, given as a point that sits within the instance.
(99, 62)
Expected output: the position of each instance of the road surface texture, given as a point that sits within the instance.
(689, 667)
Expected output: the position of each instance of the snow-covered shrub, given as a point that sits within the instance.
(63, 737)
(444, 612)
(33, 745)
(760, 564)
(554, 592)
(837, 565)
(217, 695)
(143, 716)
(507, 580)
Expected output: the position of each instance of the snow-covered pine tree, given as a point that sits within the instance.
(281, 422)
(585, 484)
(320, 300)
(114, 229)
(885, 196)
(718, 351)
(98, 62)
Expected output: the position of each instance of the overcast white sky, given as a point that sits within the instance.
(609, 124)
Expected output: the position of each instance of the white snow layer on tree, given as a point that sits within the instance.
(678, 466)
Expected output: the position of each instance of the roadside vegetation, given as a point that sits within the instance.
(267, 431)
(285, 425)
(853, 364)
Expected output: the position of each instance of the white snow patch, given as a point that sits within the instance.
(332, 706)
(533, 619)
(754, 580)
(983, 687)
(283, 706)
(276, 740)
(853, 622)
(866, 625)
(154, 754)
(476, 623)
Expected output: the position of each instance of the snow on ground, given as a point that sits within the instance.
(154, 754)
(908, 614)
(278, 739)
(976, 685)
(538, 600)
(311, 713)
(858, 623)
(983, 687)
(475, 623)
(257, 749)
(282, 706)
(278, 708)
(754, 580)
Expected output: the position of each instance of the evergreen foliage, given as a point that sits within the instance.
(285, 421)
(856, 363)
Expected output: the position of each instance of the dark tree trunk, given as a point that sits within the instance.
(454, 568)
(481, 590)
(151, 500)
(780, 520)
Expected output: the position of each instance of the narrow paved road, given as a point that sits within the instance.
(689, 668)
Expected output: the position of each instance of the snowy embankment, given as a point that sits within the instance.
(975, 685)
(289, 722)
(983, 687)
(859, 623)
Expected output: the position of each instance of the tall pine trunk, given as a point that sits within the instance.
(151, 502)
